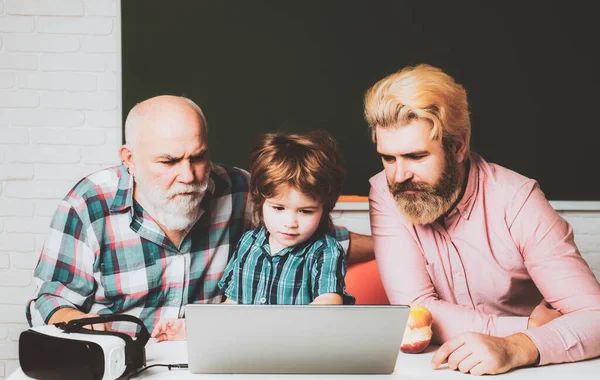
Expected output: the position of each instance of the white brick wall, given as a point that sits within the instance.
(59, 120)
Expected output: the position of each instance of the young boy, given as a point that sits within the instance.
(289, 259)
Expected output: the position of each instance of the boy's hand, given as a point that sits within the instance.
(328, 299)
(170, 329)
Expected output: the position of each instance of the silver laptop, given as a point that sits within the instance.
(294, 339)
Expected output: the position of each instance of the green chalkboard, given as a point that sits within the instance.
(530, 70)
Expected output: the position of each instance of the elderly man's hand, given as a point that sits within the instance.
(67, 314)
(480, 354)
(96, 326)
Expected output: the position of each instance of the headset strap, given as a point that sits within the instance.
(135, 352)
(76, 326)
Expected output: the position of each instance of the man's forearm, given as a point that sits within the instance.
(65, 315)
(360, 249)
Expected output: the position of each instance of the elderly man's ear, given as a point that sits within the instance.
(127, 158)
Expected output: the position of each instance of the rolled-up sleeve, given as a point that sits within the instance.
(64, 272)
(329, 271)
(342, 235)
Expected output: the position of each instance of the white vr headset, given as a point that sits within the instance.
(69, 351)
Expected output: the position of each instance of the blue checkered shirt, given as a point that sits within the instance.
(293, 276)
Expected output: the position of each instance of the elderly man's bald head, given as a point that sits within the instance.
(167, 156)
(156, 114)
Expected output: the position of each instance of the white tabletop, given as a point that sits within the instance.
(408, 366)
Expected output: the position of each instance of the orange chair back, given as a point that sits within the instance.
(364, 283)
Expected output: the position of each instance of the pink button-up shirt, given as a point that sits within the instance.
(489, 263)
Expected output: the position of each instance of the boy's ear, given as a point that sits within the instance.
(257, 217)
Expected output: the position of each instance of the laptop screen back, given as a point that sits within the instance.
(294, 339)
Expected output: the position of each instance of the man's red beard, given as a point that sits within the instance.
(428, 202)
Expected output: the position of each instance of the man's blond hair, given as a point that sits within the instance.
(420, 92)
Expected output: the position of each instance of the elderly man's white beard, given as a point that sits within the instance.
(173, 210)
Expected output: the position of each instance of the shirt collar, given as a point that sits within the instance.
(261, 239)
(124, 197)
(214, 181)
(260, 236)
(465, 205)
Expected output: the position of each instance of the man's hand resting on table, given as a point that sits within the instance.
(170, 329)
(481, 354)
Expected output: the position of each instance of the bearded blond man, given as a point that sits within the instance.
(475, 243)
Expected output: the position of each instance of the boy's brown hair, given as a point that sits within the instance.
(310, 163)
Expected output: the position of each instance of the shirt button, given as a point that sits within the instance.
(263, 300)
(173, 302)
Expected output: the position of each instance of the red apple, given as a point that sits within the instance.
(417, 334)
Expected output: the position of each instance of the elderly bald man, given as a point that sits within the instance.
(153, 234)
